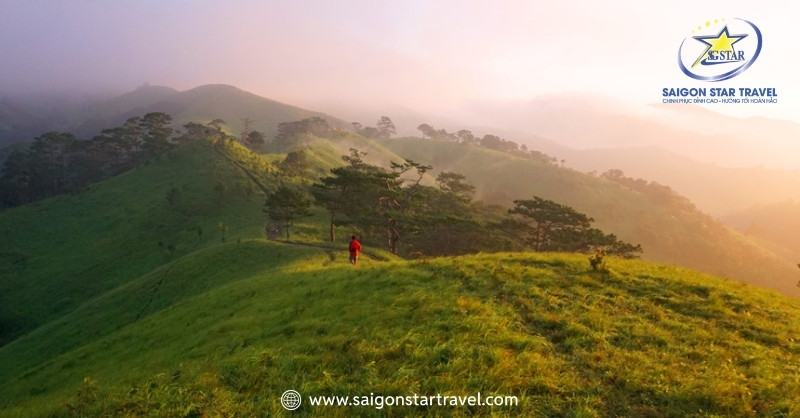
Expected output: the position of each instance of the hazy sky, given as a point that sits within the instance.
(430, 55)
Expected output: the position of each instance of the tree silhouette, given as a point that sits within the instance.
(545, 225)
(287, 205)
(254, 140)
(385, 127)
(295, 163)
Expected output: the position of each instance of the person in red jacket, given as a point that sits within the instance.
(355, 248)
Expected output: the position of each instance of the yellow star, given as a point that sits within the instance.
(723, 43)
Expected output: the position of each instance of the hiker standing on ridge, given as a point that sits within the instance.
(355, 248)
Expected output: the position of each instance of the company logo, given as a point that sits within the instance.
(719, 49)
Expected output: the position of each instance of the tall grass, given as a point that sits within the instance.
(638, 340)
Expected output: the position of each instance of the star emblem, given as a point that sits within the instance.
(720, 44)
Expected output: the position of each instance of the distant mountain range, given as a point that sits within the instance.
(20, 122)
(723, 164)
(720, 191)
(588, 122)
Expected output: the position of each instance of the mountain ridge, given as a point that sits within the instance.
(199, 104)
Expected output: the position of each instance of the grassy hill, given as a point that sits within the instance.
(224, 331)
(123, 300)
(669, 233)
(60, 252)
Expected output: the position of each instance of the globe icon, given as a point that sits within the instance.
(291, 400)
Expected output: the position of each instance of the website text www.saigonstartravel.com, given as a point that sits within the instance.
(292, 400)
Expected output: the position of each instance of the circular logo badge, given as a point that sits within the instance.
(719, 49)
(291, 400)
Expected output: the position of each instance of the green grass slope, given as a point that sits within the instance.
(58, 253)
(127, 310)
(329, 151)
(668, 233)
(228, 329)
(61, 252)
